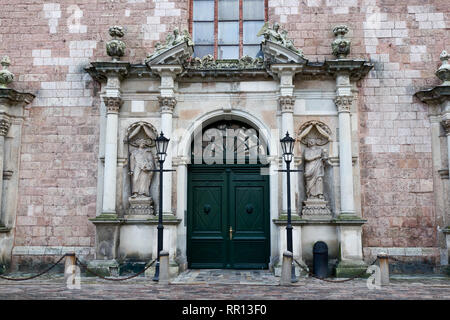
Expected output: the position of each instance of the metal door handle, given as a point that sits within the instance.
(231, 233)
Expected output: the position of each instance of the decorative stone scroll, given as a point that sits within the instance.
(141, 136)
(315, 134)
(177, 49)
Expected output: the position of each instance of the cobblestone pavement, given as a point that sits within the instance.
(54, 287)
(215, 276)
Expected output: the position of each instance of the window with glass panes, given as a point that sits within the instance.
(227, 29)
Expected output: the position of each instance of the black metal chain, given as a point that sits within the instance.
(409, 262)
(113, 279)
(335, 281)
(35, 276)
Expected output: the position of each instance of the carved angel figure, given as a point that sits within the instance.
(141, 162)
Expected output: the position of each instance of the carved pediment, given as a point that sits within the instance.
(174, 55)
(276, 53)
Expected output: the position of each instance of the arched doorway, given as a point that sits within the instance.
(228, 209)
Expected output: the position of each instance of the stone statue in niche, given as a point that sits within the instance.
(141, 138)
(314, 169)
(314, 135)
(141, 164)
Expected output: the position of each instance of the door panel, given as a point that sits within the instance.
(221, 198)
(207, 220)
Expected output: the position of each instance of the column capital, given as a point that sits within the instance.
(446, 124)
(5, 123)
(112, 104)
(343, 103)
(287, 103)
(167, 104)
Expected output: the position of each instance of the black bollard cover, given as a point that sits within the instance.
(320, 259)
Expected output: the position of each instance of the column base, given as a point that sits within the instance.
(351, 268)
(105, 268)
(174, 270)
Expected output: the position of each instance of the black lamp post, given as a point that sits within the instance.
(287, 145)
(161, 149)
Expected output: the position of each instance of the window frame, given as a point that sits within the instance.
(216, 25)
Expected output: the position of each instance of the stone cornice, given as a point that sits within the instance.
(355, 68)
(435, 95)
(100, 71)
(11, 97)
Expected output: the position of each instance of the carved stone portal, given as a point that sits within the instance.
(141, 138)
(314, 135)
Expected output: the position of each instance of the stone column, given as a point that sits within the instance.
(344, 102)
(446, 124)
(5, 123)
(167, 103)
(286, 74)
(113, 105)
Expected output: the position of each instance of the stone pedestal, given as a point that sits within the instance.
(140, 208)
(107, 241)
(351, 259)
(316, 209)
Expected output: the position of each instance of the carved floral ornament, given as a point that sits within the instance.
(446, 126)
(115, 48)
(5, 123)
(314, 132)
(443, 72)
(167, 104)
(112, 104)
(343, 103)
(287, 103)
(141, 132)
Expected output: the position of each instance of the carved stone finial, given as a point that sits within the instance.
(443, 72)
(340, 46)
(116, 48)
(112, 104)
(6, 76)
(167, 104)
(287, 103)
(343, 103)
(5, 123)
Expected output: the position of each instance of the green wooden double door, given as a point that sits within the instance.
(228, 217)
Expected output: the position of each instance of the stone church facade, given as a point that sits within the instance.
(362, 85)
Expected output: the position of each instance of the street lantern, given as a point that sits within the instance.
(161, 149)
(287, 145)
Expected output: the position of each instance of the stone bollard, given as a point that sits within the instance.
(164, 267)
(70, 266)
(286, 269)
(383, 260)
